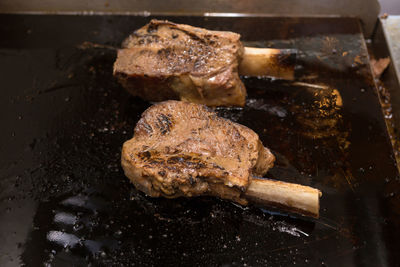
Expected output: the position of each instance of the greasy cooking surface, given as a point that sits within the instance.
(64, 198)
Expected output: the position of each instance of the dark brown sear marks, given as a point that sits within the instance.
(218, 167)
(192, 180)
(177, 159)
(142, 39)
(144, 155)
(153, 27)
(151, 158)
(192, 35)
(172, 163)
(148, 128)
(186, 161)
(164, 52)
(164, 123)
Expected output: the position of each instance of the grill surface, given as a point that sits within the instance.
(64, 199)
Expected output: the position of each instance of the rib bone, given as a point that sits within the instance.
(295, 198)
(271, 62)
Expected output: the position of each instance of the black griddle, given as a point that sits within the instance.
(64, 200)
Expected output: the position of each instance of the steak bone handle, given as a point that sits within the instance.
(270, 62)
(300, 199)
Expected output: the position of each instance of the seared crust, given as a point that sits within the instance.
(184, 149)
(164, 60)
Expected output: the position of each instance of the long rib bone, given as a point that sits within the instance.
(271, 62)
(295, 198)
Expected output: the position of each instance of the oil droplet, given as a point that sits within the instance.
(118, 233)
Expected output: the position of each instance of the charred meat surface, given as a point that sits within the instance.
(185, 149)
(164, 60)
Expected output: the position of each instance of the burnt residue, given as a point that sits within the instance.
(287, 59)
(65, 199)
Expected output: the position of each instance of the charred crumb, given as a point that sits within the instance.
(162, 173)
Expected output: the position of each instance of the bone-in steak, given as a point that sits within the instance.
(185, 149)
(164, 60)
